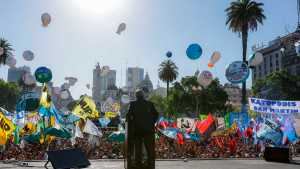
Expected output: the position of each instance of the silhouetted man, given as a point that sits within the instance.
(143, 116)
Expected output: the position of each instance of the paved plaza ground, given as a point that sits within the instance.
(178, 164)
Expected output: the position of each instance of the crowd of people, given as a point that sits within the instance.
(226, 146)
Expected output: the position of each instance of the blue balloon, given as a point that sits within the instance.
(169, 54)
(194, 51)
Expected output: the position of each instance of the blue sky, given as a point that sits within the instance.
(82, 32)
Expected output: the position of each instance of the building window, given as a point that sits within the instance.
(271, 57)
(277, 63)
(271, 64)
(276, 55)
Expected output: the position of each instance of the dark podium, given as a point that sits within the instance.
(129, 145)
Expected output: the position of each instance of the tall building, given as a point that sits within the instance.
(146, 83)
(279, 54)
(134, 76)
(15, 74)
(103, 79)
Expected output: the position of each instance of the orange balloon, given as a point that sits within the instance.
(210, 65)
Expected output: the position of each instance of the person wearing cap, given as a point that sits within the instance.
(143, 115)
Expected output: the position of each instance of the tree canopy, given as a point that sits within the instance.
(9, 95)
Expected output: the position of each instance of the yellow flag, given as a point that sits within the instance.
(86, 108)
(3, 138)
(45, 101)
(6, 125)
(109, 115)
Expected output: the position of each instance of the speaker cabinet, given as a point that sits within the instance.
(69, 158)
(277, 154)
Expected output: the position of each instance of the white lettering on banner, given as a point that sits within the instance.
(185, 123)
(274, 106)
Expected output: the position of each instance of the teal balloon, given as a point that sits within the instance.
(169, 54)
(194, 51)
(43, 75)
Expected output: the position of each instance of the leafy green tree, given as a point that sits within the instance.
(187, 98)
(168, 72)
(9, 95)
(286, 86)
(244, 16)
(7, 50)
(160, 103)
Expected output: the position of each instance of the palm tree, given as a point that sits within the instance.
(7, 50)
(244, 16)
(167, 72)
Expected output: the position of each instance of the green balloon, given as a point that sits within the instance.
(43, 75)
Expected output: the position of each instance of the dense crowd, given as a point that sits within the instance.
(166, 148)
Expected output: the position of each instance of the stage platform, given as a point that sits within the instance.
(176, 164)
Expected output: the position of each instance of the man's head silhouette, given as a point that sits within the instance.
(139, 94)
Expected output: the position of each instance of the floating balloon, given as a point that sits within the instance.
(64, 94)
(88, 86)
(237, 72)
(169, 54)
(205, 78)
(256, 59)
(1, 51)
(11, 61)
(28, 79)
(215, 57)
(105, 70)
(194, 51)
(28, 55)
(121, 28)
(43, 75)
(125, 99)
(46, 19)
(72, 80)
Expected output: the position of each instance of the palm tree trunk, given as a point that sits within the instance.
(244, 41)
(168, 89)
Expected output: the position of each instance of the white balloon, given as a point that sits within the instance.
(125, 99)
(257, 59)
(105, 70)
(205, 78)
(46, 19)
(121, 28)
(28, 79)
(1, 51)
(28, 55)
(64, 94)
(11, 61)
(72, 80)
(215, 57)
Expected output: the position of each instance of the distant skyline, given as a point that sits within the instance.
(83, 32)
